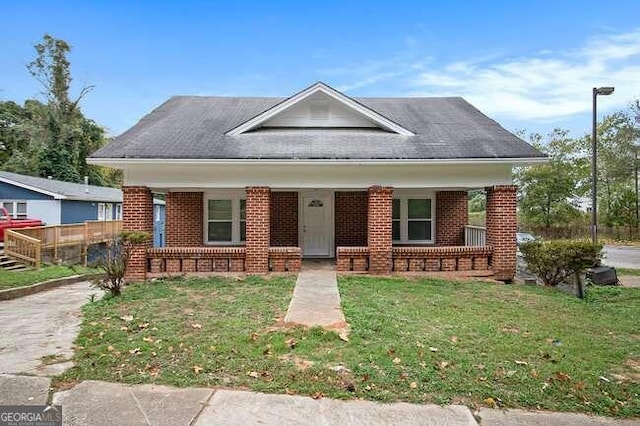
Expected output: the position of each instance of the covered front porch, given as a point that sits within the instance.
(375, 229)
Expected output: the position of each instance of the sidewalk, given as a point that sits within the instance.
(101, 403)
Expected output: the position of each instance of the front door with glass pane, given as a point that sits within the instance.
(316, 232)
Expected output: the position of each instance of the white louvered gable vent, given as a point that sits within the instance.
(319, 111)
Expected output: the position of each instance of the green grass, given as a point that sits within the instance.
(411, 340)
(10, 279)
(628, 271)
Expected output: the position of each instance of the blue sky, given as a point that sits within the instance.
(528, 64)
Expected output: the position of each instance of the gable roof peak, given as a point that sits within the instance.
(319, 86)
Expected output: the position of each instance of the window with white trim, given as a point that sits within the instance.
(226, 219)
(412, 220)
(16, 209)
(105, 211)
(118, 211)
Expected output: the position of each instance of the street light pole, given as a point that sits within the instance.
(594, 165)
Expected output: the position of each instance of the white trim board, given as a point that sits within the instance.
(55, 195)
(123, 163)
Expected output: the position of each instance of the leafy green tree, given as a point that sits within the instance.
(547, 192)
(52, 139)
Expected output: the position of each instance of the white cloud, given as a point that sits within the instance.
(545, 86)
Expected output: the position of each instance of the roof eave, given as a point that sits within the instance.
(55, 195)
(123, 162)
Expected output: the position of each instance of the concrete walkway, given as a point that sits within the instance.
(316, 300)
(41, 325)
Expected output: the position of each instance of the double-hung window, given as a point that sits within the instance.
(225, 220)
(105, 211)
(412, 219)
(16, 209)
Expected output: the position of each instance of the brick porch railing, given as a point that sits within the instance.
(420, 259)
(185, 260)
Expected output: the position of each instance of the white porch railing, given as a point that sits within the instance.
(475, 236)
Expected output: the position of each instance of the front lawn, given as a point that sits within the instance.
(628, 271)
(419, 341)
(10, 279)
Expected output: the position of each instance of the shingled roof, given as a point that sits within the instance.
(63, 190)
(195, 127)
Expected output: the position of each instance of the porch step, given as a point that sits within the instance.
(9, 264)
(15, 267)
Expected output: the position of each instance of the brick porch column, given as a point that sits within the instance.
(184, 219)
(137, 215)
(379, 229)
(502, 223)
(452, 215)
(258, 229)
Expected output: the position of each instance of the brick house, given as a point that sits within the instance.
(380, 184)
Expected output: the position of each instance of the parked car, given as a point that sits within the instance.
(7, 222)
(523, 237)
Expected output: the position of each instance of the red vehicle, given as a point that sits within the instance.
(6, 222)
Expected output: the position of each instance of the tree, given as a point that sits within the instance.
(52, 139)
(548, 191)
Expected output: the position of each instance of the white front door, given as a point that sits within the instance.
(316, 226)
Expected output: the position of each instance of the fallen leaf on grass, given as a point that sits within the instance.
(196, 326)
(397, 360)
(135, 351)
(291, 343)
(148, 339)
(126, 318)
(432, 349)
(110, 348)
(253, 374)
(413, 385)
(143, 325)
(442, 365)
(420, 345)
(253, 337)
(317, 395)
(197, 369)
(534, 373)
(521, 363)
(490, 402)
(344, 335)
(454, 339)
(563, 377)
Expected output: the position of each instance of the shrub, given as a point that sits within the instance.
(116, 258)
(555, 261)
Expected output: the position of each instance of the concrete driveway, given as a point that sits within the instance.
(37, 331)
(622, 256)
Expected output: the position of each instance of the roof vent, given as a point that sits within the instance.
(319, 111)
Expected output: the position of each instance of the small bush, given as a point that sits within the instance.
(116, 258)
(555, 261)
